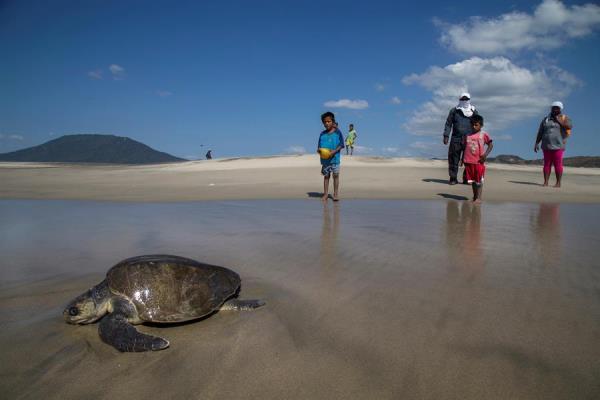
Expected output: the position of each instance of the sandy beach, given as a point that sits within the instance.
(401, 290)
(285, 177)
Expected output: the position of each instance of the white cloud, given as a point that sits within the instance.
(429, 149)
(395, 100)
(550, 26)
(95, 74)
(392, 151)
(380, 87)
(502, 137)
(502, 92)
(163, 93)
(362, 150)
(347, 103)
(117, 71)
(295, 150)
(11, 137)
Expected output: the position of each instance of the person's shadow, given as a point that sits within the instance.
(452, 196)
(432, 180)
(317, 195)
(526, 183)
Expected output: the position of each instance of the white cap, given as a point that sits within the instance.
(465, 94)
(558, 104)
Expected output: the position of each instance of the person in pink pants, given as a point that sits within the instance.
(553, 133)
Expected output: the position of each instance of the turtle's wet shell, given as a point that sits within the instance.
(170, 288)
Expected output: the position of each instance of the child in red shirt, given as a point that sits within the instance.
(474, 155)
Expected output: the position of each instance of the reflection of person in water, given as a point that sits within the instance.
(547, 233)
(329, 235)
(473, 256)
(463, 237)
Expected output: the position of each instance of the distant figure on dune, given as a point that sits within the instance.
(209, 155)
(350, 139)
(553, 133)
(459, 122)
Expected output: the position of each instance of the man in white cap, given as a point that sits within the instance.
(459, 122)
(553, 133)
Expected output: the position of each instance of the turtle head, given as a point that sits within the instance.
(88, 306)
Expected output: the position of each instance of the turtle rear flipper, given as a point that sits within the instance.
(119, 333)
(241, 305)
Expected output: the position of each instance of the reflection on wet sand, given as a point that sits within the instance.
(375, 300)
(545, 226)
(463, 237)
(329, 234)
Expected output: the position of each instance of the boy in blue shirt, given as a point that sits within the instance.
(331, 138)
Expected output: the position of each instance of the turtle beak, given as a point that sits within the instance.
(81, 310)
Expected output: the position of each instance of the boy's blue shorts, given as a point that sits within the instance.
(330, 168)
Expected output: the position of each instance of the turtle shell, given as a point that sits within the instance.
(169, 289)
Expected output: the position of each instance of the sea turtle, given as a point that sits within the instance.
(158, 289)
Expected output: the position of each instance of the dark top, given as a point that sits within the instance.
(458, 124)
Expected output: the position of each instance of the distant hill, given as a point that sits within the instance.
(580, 161)
(109, 149)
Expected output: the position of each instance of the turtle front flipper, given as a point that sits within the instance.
(241, 305)
(115, 330)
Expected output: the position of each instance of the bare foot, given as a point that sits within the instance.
(476, 201)
(557, 185)
(335, 198)
(325, 197)
(545, 184)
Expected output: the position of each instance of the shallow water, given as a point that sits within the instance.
(365, 299)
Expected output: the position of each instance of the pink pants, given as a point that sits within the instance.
(553, 157)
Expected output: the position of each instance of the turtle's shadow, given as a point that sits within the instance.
(177, 324)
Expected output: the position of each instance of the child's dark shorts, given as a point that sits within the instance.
(330, 169)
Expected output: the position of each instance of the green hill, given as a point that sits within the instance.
(104, 149)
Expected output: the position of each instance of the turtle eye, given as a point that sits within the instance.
(73, 311)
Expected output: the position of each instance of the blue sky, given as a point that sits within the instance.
(252, 78)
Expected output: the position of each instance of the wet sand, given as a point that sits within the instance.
(289, 177)
(365, 299)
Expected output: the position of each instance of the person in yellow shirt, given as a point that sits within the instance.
(350, 139)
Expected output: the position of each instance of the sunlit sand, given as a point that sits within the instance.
(286, 177)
